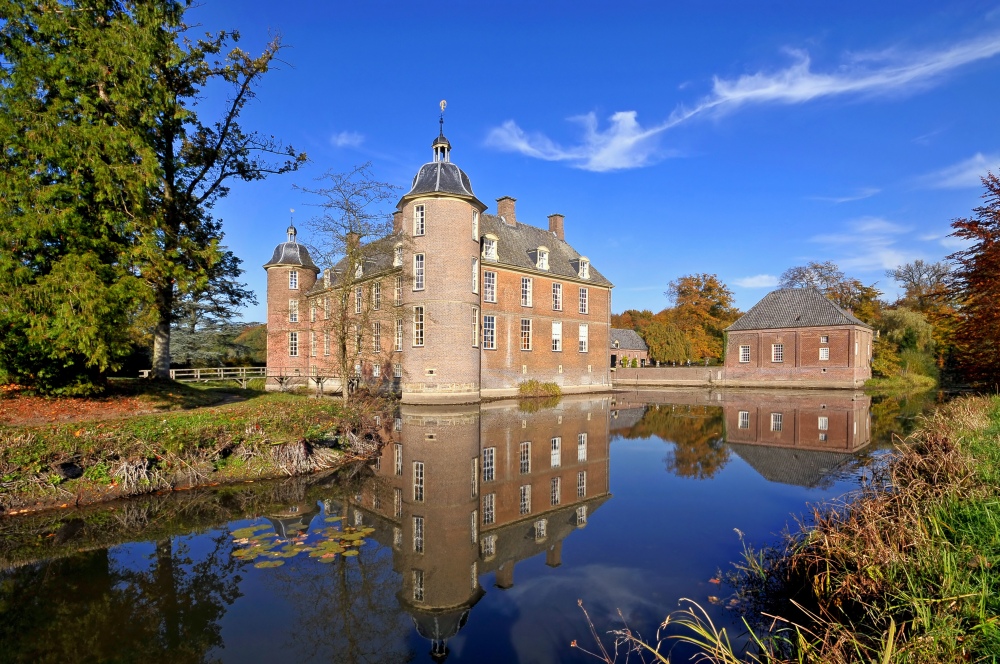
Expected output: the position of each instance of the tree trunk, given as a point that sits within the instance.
(161, 334)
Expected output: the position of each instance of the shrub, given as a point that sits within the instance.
(534, 388)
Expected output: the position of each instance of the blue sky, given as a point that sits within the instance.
(730, 138)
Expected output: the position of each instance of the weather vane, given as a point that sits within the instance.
(444, 105)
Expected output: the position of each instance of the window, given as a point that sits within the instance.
(312, 312)
(775, 421)
(357, 341)
(525, 334)
(418, 481)
(359, 269)
(475, 275)
(584, 301)
(554, 492)
(556, 456)
(489, 332)
(293, 311)
(556, 335)
(489, 286)
(525, 499)
(581, 484)
(418, 326)
(543, 259)
(823, 423)
(541, 529)
(474, 526)
(581, 516)
(312, 344)
(399, 334)
(778, 352)
(293, 344)
(556, 297)
(475, 575)
(397, 256)
(475, 225)
(377, 336)
(489, 546)
(358, 299)
(326, 308)
(584, 268)
(744, 419)
(398, 297)
(326, 343)
(293, 279)
(524, 454)
(397, 372)
(475, 327)
(856, 346)
(419, 218)
(418, 272)
(824, 339)
(744, 353)
(377, 295)
(418, 534)
(489, 508)
(475, 476)
(418, 585)
(526, 291)
(824, 353)
(397, 454)
(581, 447)
(490, 248)
(489, 464)
(822, 438)
(397, 505)
(584, 334)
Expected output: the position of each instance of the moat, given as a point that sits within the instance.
(472, 536)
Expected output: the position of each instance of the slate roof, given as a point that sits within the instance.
(627, 340)
(291, 253)
(517, 246)
(442, 177)
(378, 259)
(794, 307)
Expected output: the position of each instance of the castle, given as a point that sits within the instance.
(455, 305)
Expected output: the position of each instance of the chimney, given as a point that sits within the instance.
(397, 221)
(556, 226)
(353, 242)
(553, 556)
(505, 575)
(505, 208)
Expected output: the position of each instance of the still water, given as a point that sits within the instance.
(471, 538)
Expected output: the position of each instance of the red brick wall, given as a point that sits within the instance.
(278, 325)
(801, 354)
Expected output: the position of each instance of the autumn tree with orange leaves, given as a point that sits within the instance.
(703, 309)
(975, 286)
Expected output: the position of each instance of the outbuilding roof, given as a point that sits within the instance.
(794, 307)
(518, 245)
(627, 340)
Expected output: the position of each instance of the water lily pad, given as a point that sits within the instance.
(248, 532)
(351, 552)
(327, 560)
(269, 563)
(333, 519)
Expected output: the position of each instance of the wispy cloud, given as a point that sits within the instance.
(757, 281)
(860, 195)
(965, 174)
(869, 244)
(625, 143)
(347, 139)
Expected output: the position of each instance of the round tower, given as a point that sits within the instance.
(440, 311)
(291, 274)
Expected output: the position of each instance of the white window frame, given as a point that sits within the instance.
(312, 311)
(525, 504)
(524, 457)
(824, 354)
(293, 311)
(377, 336)
(312, 344)
(824, 339)
(581, 484)
(326, 344)
(398, 296)
(293, 279)
(475, 225)
(776, 421)
(399, 335)
(419, 220)
(581, 447)
(489, 464)
(555, 491)
(359, 299)
(418, 534)
(555, 449)
(490, 248)
(418, 481)
(326, 308)
(489, 286)
(584, 268)
(418, 326)
(418, 272)
(397, 256)
(777, 353)
(293, 344)
(557, 297)
(489, 332)
(541, 529)
(584, 337)
(418, 585)
(557, 336)
(475, 275)
(823, 423)
(584, 301)
(397, 372)
(744, 354)
(526, 287)
(489, 508)
(475, 327)
(397, 454)
(542, 262)
(376, 296)
(525, 334)
(744, 419)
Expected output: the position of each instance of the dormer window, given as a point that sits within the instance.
(584, 268)
(397, 256)
(359, 270)
(326, 278)
(543, 259)
(490, 248)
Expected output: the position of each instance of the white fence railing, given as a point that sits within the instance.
(240, 374)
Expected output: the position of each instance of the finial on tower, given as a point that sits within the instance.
(291, 226)
(443, 105)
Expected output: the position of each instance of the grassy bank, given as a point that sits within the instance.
(267, 435)
(899, 384)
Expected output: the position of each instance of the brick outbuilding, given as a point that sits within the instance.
(796, 336)
(627, 345)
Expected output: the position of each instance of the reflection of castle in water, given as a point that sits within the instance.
(799, 439)
(462, 491)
